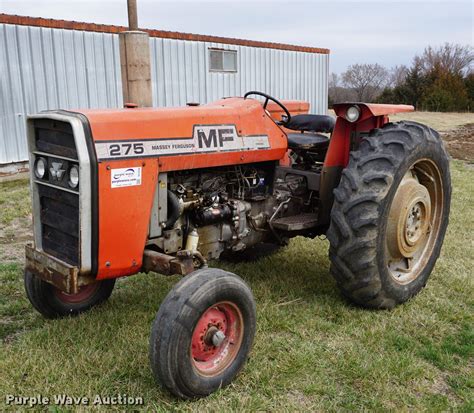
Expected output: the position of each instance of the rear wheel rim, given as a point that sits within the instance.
(414, 221)
(217, 338)
(84, 293)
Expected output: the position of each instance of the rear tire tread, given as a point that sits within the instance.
(357, 209)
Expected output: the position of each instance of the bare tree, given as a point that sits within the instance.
(334, 80)
(334, 88)
(453, 58)
(337, 92)
(367, 80)
(398, 75)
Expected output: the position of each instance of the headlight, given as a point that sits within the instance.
(73, 176)
(352, 113)
(40, 167)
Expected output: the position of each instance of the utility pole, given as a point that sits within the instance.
(132, 15)
(135, 61)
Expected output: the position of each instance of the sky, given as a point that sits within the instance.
(373, 31)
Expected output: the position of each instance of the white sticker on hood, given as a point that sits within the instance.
(126, 177)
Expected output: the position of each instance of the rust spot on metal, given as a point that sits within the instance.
(56, 272)
(167, 264)
(102, 28)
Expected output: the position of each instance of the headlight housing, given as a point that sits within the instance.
(41, 167)
(73, 180)
(353, 113)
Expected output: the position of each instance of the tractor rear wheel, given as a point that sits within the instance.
(390, 215)
(203, 333)
(54, 303)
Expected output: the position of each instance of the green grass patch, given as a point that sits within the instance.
(314, 351)
(14, 201)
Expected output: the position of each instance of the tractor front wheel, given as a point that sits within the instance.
(54, 303)
(203, 333)
(390, 215)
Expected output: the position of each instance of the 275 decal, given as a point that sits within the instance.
(124, 149)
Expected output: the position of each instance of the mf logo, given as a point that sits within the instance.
(56, 171)
(215, 137)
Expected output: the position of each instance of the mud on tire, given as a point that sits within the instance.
(359, 250)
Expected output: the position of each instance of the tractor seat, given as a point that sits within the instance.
(307, 141)
(311, 123)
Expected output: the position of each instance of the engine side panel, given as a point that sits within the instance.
(125, 202)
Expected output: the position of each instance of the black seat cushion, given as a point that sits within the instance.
(311, 123)
(307, 141)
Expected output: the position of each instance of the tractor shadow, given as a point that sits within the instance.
(297, 271)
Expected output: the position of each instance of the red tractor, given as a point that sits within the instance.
(118, 192)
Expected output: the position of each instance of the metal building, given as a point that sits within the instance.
(51, 64)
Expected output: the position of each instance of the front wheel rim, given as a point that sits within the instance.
(414, 221)
(84, 293)
(217, 338)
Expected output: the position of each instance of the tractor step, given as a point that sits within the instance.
(296, 222)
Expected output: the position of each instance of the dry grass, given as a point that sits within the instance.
(439, 121)
(317, 353)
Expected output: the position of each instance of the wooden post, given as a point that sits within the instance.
(135, 61)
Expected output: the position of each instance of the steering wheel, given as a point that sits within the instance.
(267, 98)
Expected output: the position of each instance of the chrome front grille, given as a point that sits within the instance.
(59, 214)
(57, 202)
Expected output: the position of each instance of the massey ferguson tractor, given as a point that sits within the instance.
(123, 191)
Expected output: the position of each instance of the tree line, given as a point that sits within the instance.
(440, 79)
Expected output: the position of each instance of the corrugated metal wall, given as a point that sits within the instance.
(180, 72)
(43, 68)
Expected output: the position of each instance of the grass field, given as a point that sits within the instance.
(439, 121)
(313, 350)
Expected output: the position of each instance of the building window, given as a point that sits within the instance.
(222, 60)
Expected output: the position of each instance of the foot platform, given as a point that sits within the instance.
(296, 222)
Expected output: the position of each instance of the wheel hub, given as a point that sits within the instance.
(409, 218)
(414, 221)
(214, 337)
(217, 338)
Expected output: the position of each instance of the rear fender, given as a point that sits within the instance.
(346, 133)
(346, 137)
